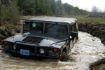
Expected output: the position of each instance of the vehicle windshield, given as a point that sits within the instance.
(56, 30)
(46, 29)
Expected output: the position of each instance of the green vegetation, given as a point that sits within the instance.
(12, 9)
(47, 7)
(92, 20)
(73, 11)
(8, 10)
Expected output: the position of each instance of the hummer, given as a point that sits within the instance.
(43, 36)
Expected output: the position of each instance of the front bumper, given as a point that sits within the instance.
(16, 53)
(34, 51)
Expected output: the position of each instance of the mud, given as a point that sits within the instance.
(87, 50)
(98, 65)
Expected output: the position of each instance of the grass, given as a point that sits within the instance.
(93, 20)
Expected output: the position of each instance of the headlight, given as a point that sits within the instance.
(42, 51)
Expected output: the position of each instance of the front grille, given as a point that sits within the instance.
(45, 50)
(31, 39)
(33, 49)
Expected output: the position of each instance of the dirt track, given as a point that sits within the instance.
(87, 50)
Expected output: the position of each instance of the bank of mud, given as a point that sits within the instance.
(98, 65)
(8, 29)
(97, 30)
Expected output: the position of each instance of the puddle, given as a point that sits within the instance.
(86, 51)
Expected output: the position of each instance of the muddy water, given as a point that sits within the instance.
(87, 50)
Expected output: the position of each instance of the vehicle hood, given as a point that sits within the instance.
(39, 41)
(51, 42)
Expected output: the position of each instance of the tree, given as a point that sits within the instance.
(27, 7)
(94, 9)
(11, 8)
(69, 10)
(58, 7)
(8, 10)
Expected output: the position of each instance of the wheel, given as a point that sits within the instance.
(64, 56)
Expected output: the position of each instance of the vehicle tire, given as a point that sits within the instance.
(64, 56)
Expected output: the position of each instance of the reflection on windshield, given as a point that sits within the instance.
(36, 27)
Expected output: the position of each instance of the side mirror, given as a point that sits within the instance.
(74, 34)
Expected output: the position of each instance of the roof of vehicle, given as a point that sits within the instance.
(53, 19)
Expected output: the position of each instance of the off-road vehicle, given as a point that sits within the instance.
(51, 37)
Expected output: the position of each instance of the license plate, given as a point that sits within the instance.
(24, 52)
